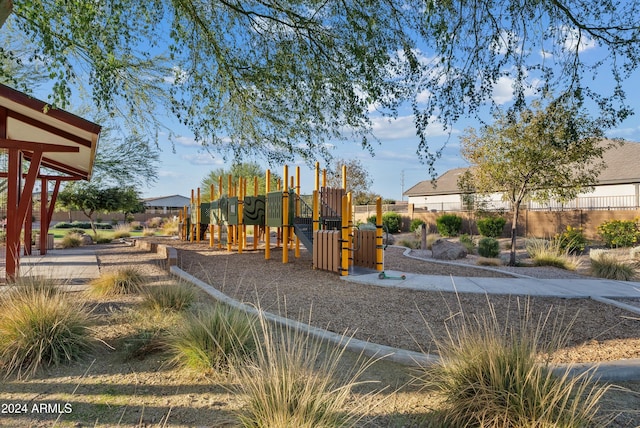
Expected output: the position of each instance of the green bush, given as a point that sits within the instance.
(39, 328)
(572, 240)
(491, 226)
(124, 281)
(174, 297)
(415, 224)
(489, 247)
(449, 225)
(71, 240)
(619, 233)
(468, 243)
(392, 221)
(549, 253)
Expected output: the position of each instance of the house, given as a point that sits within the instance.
(618, 188)
(166, 205)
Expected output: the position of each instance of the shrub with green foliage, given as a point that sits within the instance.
(71, 240)
(124, 281)
(491, 227)
(449, 225)
(468, 243)
(572, 240)
(549, 253)
(392, 221)
(620, 233)
(39, 328)
(415, 224)
(489, 247)
(174, 297)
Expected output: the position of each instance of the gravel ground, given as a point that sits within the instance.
(406, 319)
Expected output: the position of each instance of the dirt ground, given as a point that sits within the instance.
(111, 390)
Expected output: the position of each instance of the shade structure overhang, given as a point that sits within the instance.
(27, 119)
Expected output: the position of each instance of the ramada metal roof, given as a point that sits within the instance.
(623, 166)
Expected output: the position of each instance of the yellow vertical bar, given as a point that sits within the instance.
(241, 188)
(220, 191)
(350, 228)
(317, 176)
(297, 250)
(344, 177)
(255, 227)
(198, 214)
(285, 217)
(212, 240)
(379, 245)
(185, 235)
(191, 239)
(316, 212)
(267, 231)
(344, 241)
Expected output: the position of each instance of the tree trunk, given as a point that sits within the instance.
(514, 234)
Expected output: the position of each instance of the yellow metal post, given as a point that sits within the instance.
(191, 239)
(198, 214)
(211, 225)
(350, 227)
(255, 227)
(267, 231)
(316, 212)
(241, 188)
(344, 239)
(230, 229)
(285, 217)
(344, 177)
(379, 243)
(297, 214)
(220, 190)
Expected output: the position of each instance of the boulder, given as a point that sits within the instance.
(445, 250)
(86, 239)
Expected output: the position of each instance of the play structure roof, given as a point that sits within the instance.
(34, 121)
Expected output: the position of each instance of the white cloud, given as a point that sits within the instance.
(202, 159)
(187, 141)
(403, 127)
(177, 76)
(169, 174)
(574, 39)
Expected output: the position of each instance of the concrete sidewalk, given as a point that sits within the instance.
(69, 266)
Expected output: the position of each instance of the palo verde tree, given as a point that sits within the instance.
(284, 78)
(247, 170)
(92, 199)
(551, 151)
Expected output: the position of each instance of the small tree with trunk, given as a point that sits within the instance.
(91, 199)
(546, 152)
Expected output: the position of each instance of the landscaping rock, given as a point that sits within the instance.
(445, 250)
(86, 239)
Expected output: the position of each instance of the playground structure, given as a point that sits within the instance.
(321, 222)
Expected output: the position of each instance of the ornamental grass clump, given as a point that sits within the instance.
(123, 281)
(493, 375)
(295, 380)
(40, 328)
(174, 297)
(606, 265)
(71, 240)
(210, 339)
(550, 253)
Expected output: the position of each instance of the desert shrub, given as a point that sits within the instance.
(136, 225)
(415, 224)
(449, 225)
(295, 380)
(606, 265)
(489, 247)
(170, 227)
(77, 231)
(410, 243)
(154, 222)
(212, 338)
(545, 252)
(634, 253)
(62, 225)
(175, 297)
(372, 219)
(149, 232)
(123, 281)
(71, 240)
(491, 375)
(103, 239)
(619, 233)
(491, 226)
(40, 328)
(572, 240)
(122, 231)
(468, 243)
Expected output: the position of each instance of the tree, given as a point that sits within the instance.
(91, 199)
(245, 170)
(545, 152)
(358, 180)
(284, 78)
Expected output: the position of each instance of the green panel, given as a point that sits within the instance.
(232, 211)
(223, 210)
(274, 209)
(253, 210)
(214, 210)
(193, 212)
(205, 209)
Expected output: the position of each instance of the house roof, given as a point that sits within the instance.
(623, 166)
(29, 121)
(167, 201)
